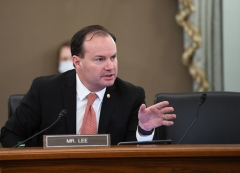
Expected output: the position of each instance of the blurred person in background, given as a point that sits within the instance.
(64, 57)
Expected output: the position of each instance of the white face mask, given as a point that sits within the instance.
(65, 66)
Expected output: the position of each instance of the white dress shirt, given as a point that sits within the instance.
(82, 93)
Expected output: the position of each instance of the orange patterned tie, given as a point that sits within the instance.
(89, 125)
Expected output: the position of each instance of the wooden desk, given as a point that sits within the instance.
(161, 158)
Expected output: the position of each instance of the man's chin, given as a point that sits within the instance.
(109, 83)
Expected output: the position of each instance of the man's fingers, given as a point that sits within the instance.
(169, 116)
(142, 108)
(160, 105)
(166, 110)
(166, 118)
(167, 123)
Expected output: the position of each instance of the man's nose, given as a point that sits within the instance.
(109, 65)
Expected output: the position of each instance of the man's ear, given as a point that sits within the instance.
(77, 62)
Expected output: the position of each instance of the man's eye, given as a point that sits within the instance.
(100, 59)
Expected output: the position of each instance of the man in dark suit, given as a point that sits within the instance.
(119, 107)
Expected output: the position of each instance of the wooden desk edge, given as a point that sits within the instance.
(121, 152)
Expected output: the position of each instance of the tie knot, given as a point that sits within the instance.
(91, 98)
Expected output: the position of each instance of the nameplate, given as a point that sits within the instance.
(50, 141)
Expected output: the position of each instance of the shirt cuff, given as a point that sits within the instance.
(144, 138)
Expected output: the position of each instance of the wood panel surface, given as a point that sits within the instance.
(163, 158)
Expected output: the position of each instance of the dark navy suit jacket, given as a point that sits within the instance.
(48, 95)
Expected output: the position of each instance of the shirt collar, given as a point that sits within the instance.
(82, 91)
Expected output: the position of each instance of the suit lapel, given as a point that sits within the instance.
(107, 109)
(69, 97)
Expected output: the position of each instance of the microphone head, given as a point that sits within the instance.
(63, 113)
(202, 98)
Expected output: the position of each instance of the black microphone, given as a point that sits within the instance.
(61, 114)
(201, 101)
(202, 98)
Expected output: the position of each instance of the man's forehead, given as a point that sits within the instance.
(95, 41)
(90, 36)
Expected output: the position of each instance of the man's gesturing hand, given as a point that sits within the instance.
(155, 115)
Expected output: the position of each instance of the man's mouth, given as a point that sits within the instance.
(109, 76)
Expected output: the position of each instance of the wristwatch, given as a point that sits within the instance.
(144, 132)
